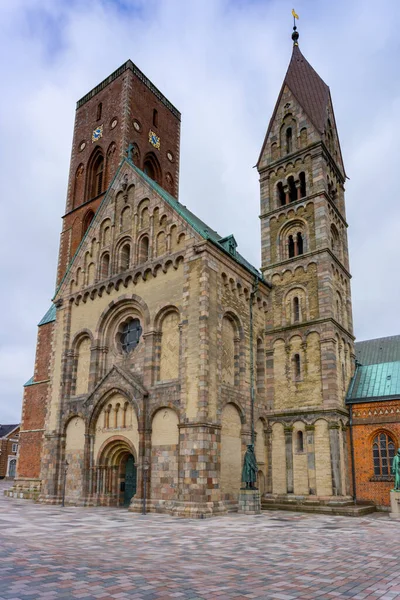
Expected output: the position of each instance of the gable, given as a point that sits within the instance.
(288, 113)
(133, 224)
(137, 221)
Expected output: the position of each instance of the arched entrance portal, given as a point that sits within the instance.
(115, 479)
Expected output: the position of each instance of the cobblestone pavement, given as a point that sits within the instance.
(47, 552)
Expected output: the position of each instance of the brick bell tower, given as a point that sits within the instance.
(305, 256)
(124, 111)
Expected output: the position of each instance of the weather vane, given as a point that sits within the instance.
(295, 35)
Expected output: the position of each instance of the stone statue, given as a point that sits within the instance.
(250, 469)
(396, 470)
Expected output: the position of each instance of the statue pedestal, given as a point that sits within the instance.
(395, 504)
(250, 502)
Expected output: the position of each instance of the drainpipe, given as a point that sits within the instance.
(353, 466)
(252, 296)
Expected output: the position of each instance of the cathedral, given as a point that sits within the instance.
(164, 351)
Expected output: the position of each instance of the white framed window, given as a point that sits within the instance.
(14, 448)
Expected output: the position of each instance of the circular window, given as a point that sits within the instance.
(114, 123)
(82, 146)
(136, 125)
(170, 156)
(129, 335)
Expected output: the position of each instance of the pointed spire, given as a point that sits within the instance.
(309, 89)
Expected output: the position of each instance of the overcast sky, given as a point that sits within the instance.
(221, 63)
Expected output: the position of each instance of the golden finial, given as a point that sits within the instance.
(295, 35)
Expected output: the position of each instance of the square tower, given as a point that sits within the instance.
(305, 257)
(125, 112)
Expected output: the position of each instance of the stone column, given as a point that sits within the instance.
(310, 447)
(87, 472)
(114, 489)
(268, 441)
(151, 238)
(334, 443)
(289, 458)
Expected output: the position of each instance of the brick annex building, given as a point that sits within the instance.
(161, 333)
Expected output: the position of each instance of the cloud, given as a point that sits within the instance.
(221, 63)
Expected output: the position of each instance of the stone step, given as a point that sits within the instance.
(358, 510)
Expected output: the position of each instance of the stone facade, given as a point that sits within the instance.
(167, 351)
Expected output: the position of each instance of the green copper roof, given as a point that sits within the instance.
(380, 350)
(198, 225)
(49, 317)
(375, 382)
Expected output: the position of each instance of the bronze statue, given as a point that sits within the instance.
(250, 468)
(396, 470)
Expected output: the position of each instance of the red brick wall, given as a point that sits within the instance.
(34, 407)
(126, 99)
(369, 419)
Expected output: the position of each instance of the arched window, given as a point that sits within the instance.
(303, 137)
(297, 366)
(330, 137)
(124, 258)
(281, 194)
(96, 174)
(87, 219)
(78, 186)
(299, 441)
(151, 167)
(335, 240)
(155, 117)
(292, 189)
(99, 111)
(289, 142)
(296, 310)
(291, 246)
(302, 178)
(105, 266)
(300, 246)
(107, 416)
(383, 451)
(144, 249)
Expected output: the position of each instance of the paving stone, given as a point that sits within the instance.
(51, 553)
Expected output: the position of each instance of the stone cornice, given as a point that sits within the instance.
(297, 259)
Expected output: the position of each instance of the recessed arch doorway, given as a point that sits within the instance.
(115, 480)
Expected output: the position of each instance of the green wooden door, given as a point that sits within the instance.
(12, 468)
(130, 480)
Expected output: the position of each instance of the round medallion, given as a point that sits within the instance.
(82, 146)
(170, 156)
(114, 123)
(136, 125)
